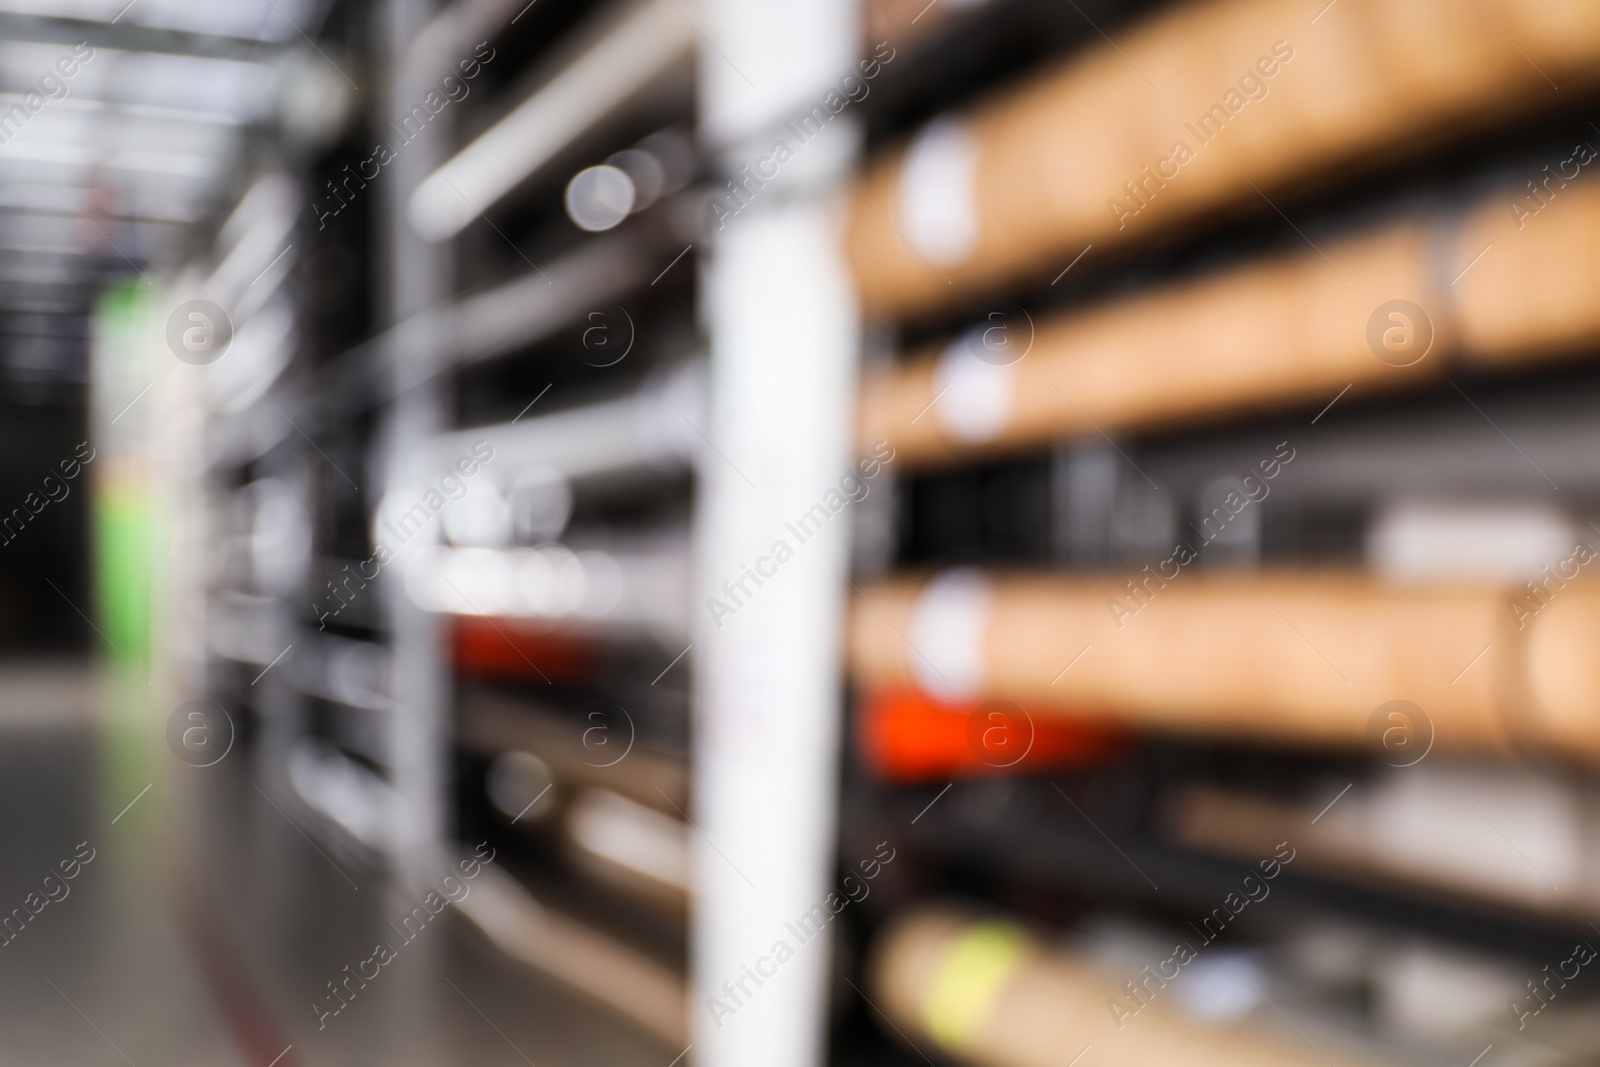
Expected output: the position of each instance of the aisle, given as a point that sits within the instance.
(130, 964)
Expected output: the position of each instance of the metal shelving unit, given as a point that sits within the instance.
(610, 352)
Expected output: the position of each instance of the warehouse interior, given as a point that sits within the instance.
(977, 533)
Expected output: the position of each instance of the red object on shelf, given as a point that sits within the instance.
(906, 735)
(510, 649)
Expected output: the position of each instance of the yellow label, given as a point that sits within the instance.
(975, 968)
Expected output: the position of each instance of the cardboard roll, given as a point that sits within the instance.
(1426, 830)
(594, 746)
(989, 992)
(613, 973)
(1187, 112)
(1283, 657)
(1510, 282)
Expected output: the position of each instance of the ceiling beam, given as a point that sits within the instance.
(132, 37)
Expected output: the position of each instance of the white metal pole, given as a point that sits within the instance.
(784, 345)
(416, 278)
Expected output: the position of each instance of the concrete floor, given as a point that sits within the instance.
(206, 925)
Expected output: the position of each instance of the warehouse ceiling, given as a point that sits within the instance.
(122, 125)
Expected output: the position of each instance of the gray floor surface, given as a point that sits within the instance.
(206, 925)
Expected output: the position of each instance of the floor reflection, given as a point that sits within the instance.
(206, 927)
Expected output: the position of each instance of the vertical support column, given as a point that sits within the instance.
(416, 277)
(784, 347)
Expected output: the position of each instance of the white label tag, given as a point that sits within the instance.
(936, 197)
(975, 397)
(947, 628)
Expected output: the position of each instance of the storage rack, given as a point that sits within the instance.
(1121, 855)
(550, 379)
(439, 708)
